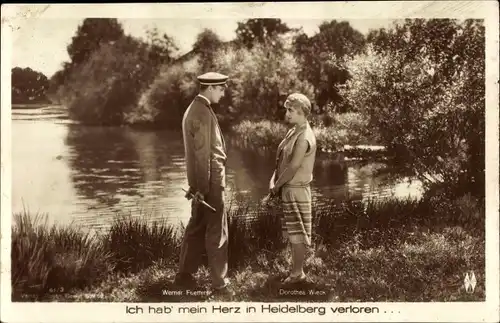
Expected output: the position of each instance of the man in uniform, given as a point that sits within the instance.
(205, 154)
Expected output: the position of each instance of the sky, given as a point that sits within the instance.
(41, 43)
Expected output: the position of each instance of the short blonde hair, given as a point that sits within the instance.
(301, 101)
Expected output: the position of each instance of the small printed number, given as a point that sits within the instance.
(57, 290)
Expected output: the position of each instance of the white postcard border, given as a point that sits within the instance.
(14, 16)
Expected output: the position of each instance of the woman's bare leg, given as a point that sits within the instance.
(298, 258)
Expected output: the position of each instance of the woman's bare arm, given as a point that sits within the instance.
(272, 180)
(299, 152)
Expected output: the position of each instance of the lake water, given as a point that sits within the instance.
(89, 175)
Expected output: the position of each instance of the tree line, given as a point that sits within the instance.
(112, 71)
(28, 86)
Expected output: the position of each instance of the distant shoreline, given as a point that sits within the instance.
(17, 106)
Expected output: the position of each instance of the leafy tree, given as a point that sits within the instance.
(260, 30)
(421, 84)
(206, 45)
(261, 78)
(28, 85)
(378, 38)
(90, 35)
(168, 96)
(322, 56)
(57, 80)
(104, 89)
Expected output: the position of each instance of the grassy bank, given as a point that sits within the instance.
(380, 251)
(342, 129)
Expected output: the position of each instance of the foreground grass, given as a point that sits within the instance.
(384, 251)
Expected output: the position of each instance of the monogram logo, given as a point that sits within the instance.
(470, 282)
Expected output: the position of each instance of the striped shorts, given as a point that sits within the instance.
(296, 222)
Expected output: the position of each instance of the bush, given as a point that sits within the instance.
(333, 130)
(260, 134)
(423, 93)
(346, 129)
(356, 127)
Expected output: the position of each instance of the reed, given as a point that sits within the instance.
(137, 243)
(54, 259)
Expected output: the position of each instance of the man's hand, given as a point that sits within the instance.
(196, 195)
(189, 193)
(198, 198)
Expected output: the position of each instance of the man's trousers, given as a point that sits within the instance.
(207, 231)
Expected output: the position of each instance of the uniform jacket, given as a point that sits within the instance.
(204, 147)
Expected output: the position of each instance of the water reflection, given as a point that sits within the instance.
(248, 173)
(89, 175)
(40, 172)
(103, 164)
(120, 170)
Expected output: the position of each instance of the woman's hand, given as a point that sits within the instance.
(273, 190)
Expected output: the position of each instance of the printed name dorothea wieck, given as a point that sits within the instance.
(302, 292)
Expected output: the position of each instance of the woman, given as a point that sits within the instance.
(291, 180)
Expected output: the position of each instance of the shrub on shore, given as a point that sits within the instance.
(264, 133)
(347, 128)
(424, 97)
